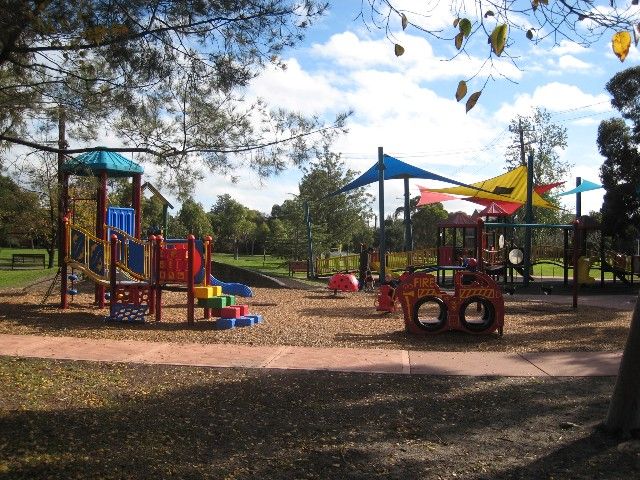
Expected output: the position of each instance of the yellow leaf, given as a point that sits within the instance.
(398, 49)
(620, 43)
(458, 40)
(403, 19)
(473, 99)
(461, 91)
(499, 39)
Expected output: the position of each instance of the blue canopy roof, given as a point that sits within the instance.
(394, 169)
(585, 186)
(102, 160)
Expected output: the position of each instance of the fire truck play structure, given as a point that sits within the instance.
(475, 306)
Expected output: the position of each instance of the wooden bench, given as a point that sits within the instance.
(27, 260)
(297, 266)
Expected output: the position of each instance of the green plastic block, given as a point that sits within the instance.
(213, 302)
(231, 300)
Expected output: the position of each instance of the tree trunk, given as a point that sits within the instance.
(235, 250)
(624, 412)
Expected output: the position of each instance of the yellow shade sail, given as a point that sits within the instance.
(509, 187)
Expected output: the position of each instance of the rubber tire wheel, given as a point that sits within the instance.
(488, 317)
(442, 317)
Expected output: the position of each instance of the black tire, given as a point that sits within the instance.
(431, 324)
(485, 321)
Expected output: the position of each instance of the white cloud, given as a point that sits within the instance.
(573, 64)
(567, 47)
(295, 89)
(555, 97)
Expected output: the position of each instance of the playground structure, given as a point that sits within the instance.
(137, 271)
(476, 305)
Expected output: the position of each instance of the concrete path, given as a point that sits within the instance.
(406, 362)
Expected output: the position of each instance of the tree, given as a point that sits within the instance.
(546, 139)
(500, 25)
(339, 219)
(425, 225)
(194, 219)
(166, 76)
(20, 211)
(620, 175)
(229, 221)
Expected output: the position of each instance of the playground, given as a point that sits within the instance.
(162, 295)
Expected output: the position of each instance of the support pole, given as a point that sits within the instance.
(311, 272)
(207, 269)
(528, 220)
(152, 272)
(383, 247)
(156, 277)
(64, 280)
(191, 251)
(100, 230)
(408, 235)
(576, 250)
(113, 282)
(136, 201)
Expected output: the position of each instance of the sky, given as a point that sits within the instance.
(407, 104)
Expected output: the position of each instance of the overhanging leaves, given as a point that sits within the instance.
(621, 42)
(461, 91)
(472, 100)
(499, 39)
(398, 50)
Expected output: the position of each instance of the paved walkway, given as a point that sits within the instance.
(307, 358)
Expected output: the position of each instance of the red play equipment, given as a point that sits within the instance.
(345, 282)
(476, 305)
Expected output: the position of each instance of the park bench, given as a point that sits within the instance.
(297, 266)
(27, 260)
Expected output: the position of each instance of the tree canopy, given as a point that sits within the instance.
(499, 26)
(620, 171)
(167, 76)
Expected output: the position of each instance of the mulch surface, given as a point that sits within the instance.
(317, 318)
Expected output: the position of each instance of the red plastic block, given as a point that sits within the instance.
(244, 309)
(230, 312)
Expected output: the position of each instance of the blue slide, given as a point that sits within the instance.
(238, 289)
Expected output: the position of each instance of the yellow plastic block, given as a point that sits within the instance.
(203, 292)
(217, 291)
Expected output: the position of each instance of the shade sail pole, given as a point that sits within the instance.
(408, 235)
(578, 199)
(381, 213)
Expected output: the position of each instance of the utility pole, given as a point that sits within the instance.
(62, 144)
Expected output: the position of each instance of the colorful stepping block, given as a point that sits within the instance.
(225, 323)
(245, 321)
(215, 302)
(231, 300)
(256, 318)
(208, 291)
(233, 311)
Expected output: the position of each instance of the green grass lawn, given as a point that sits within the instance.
(266, 264)
(22, 277)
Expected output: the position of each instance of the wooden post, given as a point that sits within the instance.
(191, 249)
